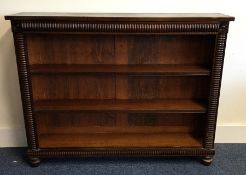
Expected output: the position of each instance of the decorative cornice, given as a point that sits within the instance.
(78, 26)
(125, 153)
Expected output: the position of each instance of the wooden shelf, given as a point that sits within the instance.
(121, 69)
(119, 140)
(153, 106)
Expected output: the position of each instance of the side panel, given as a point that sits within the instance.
(215, 86)
(26, 89)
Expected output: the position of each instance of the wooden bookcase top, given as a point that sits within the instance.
(165, 17)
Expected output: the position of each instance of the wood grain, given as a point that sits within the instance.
(147, 69)
(162, 87)
(73, 87)
(170, 49)
(70, 49)
(174, 106)
(120, 122)
(110, 49)
(68, 86)
(118, 140)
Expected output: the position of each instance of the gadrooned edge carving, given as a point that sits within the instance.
(215, 87)
(124, 153)
(25, 86)
(78, 26)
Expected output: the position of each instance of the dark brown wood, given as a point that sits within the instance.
(168, 106)
(132, 152)
(110, 122)
(118, 140)
(69, 87)
(120, 84)
(215, 86)
(195, 50)
(121, 16)
(146, 69)
(26, 89)
(34, 161)
(57, 86)
(168, 87)
(207, 160)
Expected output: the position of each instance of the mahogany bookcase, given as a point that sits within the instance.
(97, 85)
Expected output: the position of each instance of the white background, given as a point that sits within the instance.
(232, 108)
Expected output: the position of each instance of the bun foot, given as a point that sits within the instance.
(34, 161)
(207, 160)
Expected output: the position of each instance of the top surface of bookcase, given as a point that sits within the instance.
(121, 16)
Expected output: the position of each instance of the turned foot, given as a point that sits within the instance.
(34, 161)
(207, 160)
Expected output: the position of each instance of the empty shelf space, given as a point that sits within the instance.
(170, 106)
(119, 140)
(121, 69)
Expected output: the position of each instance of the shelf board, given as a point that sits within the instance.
(119, 140)
(169, 128)
(153, 106)
(121, 69)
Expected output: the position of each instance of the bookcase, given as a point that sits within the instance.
(97, 85)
